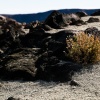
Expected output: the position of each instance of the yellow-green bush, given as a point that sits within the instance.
(83, 48)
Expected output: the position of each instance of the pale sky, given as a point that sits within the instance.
(35, 6)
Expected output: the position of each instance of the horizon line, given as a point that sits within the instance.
(49, 10)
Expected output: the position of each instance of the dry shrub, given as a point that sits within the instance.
(83, 48)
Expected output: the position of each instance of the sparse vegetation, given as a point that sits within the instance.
(83, 48)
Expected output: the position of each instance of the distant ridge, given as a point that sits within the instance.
(42, 16)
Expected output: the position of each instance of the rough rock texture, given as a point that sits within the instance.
(88, 88)
(91, 20)
(35, 55)
(36, 50)
(31, 56)
(19, 64)
(92, 30)
(59, 20)
(82, 14)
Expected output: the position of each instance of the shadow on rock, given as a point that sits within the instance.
(20, 64)
(53, 69)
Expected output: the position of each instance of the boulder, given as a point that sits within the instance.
(12, 23)
(30, 51)
(92, 31)
(59, 20)
(12, 98)
(53, 69)
(3, 19)
(51, 20)
(46, 27)
(81, 14)
(71, 18)
(9, 41)
(20, 64)
(91, 20)
(78, 23)
(96, 13)
(34, 38)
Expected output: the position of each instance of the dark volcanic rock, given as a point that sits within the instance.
(82, 14)
(91, 20)
(12, 98)
(35, 53)
(46, 27)
(97, 13)
(55, 69)
(79, 23)
(34, 38)
(93, 31)
(57, 42)
(49, 64)
(3, 20)
(9, 35)
(52, 20)
(20, 64)
(58, 20)
(73, 83)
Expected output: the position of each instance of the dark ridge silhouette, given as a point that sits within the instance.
(42, 16)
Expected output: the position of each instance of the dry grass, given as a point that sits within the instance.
(83, 48)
